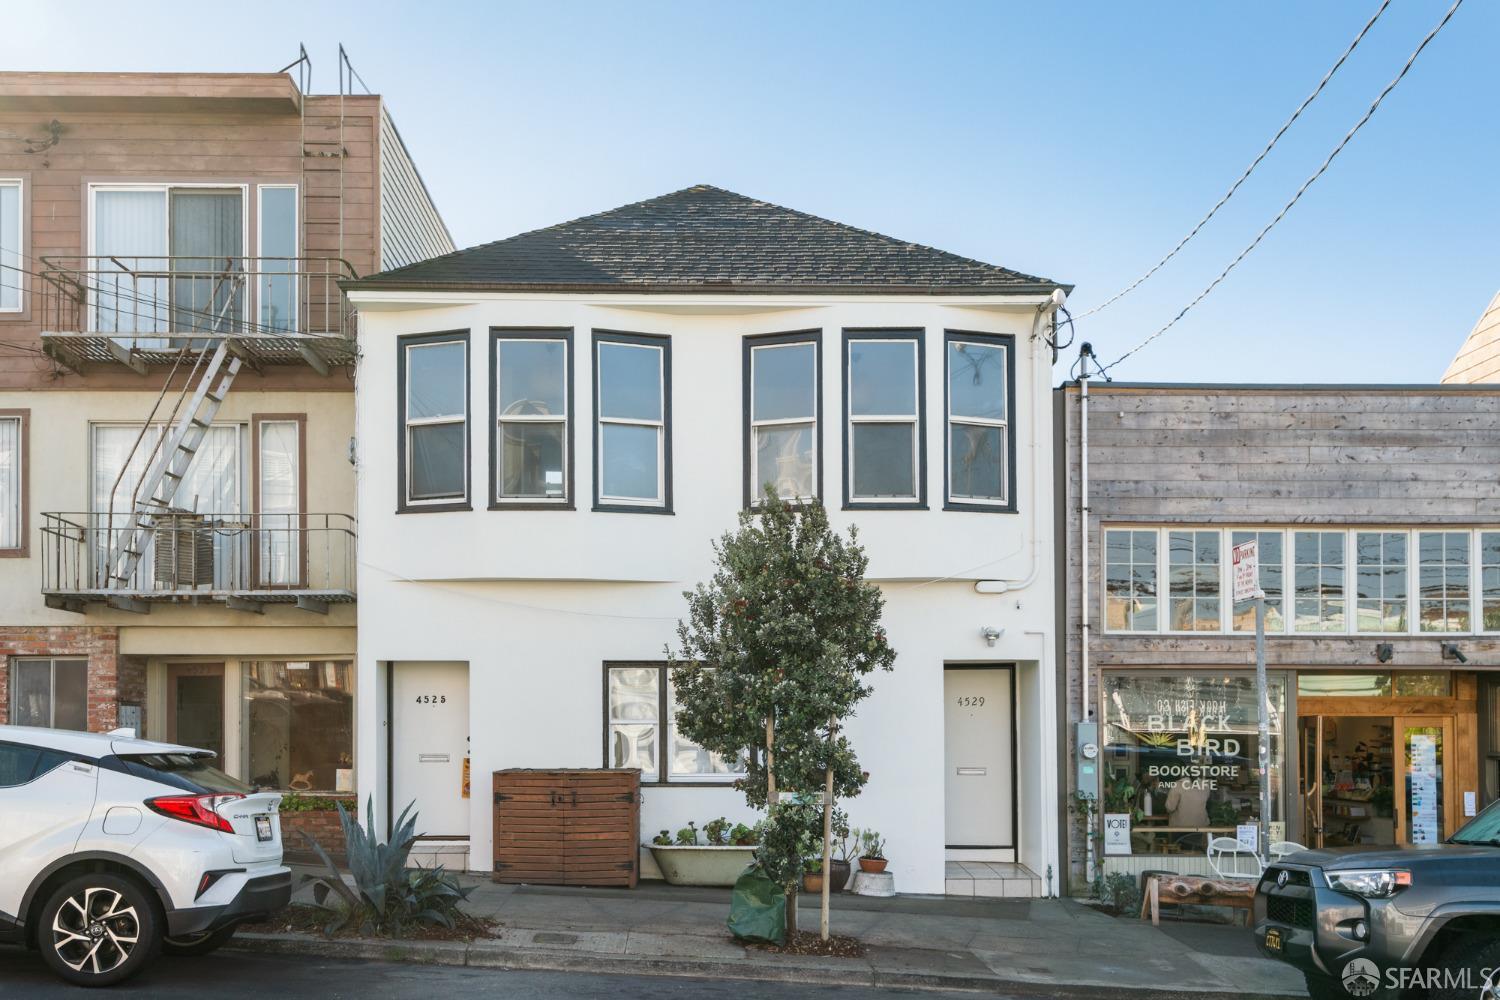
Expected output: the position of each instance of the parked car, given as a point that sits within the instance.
(113, 849)
(1368, 921)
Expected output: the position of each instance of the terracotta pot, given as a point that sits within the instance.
(872, 865)
(839, 872)
(812, 882)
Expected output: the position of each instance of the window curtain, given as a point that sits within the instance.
(131, 226)
(280, 503)
(208, 269)
(10, 246)
(10, 483)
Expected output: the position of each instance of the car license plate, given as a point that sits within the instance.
(262, 828)
(1273, 939)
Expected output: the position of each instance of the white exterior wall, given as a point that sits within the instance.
(537, 601)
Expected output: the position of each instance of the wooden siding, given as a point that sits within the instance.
(207, 136)
(1478, 360)
(1273, 456)
(410, 228)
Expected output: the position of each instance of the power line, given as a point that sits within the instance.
(1248, 170)
(1300, 191)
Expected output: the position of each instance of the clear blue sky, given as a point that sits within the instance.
(1077, 141)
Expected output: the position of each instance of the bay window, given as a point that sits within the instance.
(641, 729)
(782, 408)
(1443, 581)
(980, 439)
(632, 429)
(433, 400)
(531, 397)
(883, 399)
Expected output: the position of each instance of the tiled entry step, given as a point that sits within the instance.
(994, 879)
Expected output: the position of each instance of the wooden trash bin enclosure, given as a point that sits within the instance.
(568, 827)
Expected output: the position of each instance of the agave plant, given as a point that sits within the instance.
(387, 895)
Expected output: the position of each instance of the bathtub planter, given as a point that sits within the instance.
(701, 864)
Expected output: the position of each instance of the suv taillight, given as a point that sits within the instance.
(196, 809)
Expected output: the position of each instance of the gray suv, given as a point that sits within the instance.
(1386, 922)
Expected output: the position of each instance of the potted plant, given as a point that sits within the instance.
(871, 852)
(842, 864)
(812, 875)
(685, 861)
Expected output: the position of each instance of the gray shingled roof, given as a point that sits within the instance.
(706, 239)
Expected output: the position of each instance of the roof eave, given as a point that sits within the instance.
(1018, 288)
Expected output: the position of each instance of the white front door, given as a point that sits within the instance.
(978, 758)
(430, 739)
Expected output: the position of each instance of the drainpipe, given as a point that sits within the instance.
(1044, 313)
(1085, 353)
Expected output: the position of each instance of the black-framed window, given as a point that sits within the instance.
(632, 422)
(50, 692)
(640, 729)
(783, 407)
(432, 407)
(531, 416)
(979, 443)
(1489, 735)
(885, 451)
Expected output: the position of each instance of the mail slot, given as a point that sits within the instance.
(977, 772)
(432, 758)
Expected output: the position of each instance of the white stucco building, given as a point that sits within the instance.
(553, 428)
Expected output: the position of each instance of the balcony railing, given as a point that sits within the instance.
(143, 310)
(242, 560)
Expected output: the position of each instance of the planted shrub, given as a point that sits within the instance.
(688, 835)
(717, 831)
(387, 896)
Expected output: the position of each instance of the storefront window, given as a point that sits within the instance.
(1181, 757)
(299, 724)
(1406, 684)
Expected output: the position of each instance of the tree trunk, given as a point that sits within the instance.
(771, 799)
(827, 851)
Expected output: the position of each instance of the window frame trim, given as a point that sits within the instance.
(1007, 343)
(564, 334)
(23, 484)
(22, 309)
(750, 342)
(259, 246)
(1478, 568)
(917, 336)
(617, 505)
(1164, 578)
(405, 505)
(1414, 585)
(663, 728)
(256, 420)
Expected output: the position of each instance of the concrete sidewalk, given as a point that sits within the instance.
(1025, 946)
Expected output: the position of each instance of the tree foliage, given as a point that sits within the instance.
(781, 637)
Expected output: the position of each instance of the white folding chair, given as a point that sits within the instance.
(1282, 848)
(1231, 861)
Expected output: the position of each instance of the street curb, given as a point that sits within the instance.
(496, 955)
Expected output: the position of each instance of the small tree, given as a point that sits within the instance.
(774, 654)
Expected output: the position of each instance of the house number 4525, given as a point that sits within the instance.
(432, 699)
(971, 701)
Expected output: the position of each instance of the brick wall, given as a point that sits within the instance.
(320, 824)
(100, 644)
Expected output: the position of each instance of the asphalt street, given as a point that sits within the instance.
(231, 975)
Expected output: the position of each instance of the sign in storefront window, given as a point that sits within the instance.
(1181, 756)
(299, 724)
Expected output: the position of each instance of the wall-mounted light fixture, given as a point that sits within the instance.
(1384, 652)
(991, 634)
(1452, 652)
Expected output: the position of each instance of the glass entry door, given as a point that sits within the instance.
(1424, 812)
(195, 706)
(1311, 735)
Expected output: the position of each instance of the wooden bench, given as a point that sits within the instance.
(1185, 889)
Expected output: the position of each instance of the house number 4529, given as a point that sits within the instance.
(971, 701)
(432, 699)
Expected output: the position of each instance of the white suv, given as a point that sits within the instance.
(112, 848)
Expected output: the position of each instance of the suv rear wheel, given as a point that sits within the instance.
(197, 944)
(98, 929)
(1474, 954)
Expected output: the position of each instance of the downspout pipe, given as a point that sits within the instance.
(1039, 342)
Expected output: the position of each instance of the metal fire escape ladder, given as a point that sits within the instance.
(159, 486)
